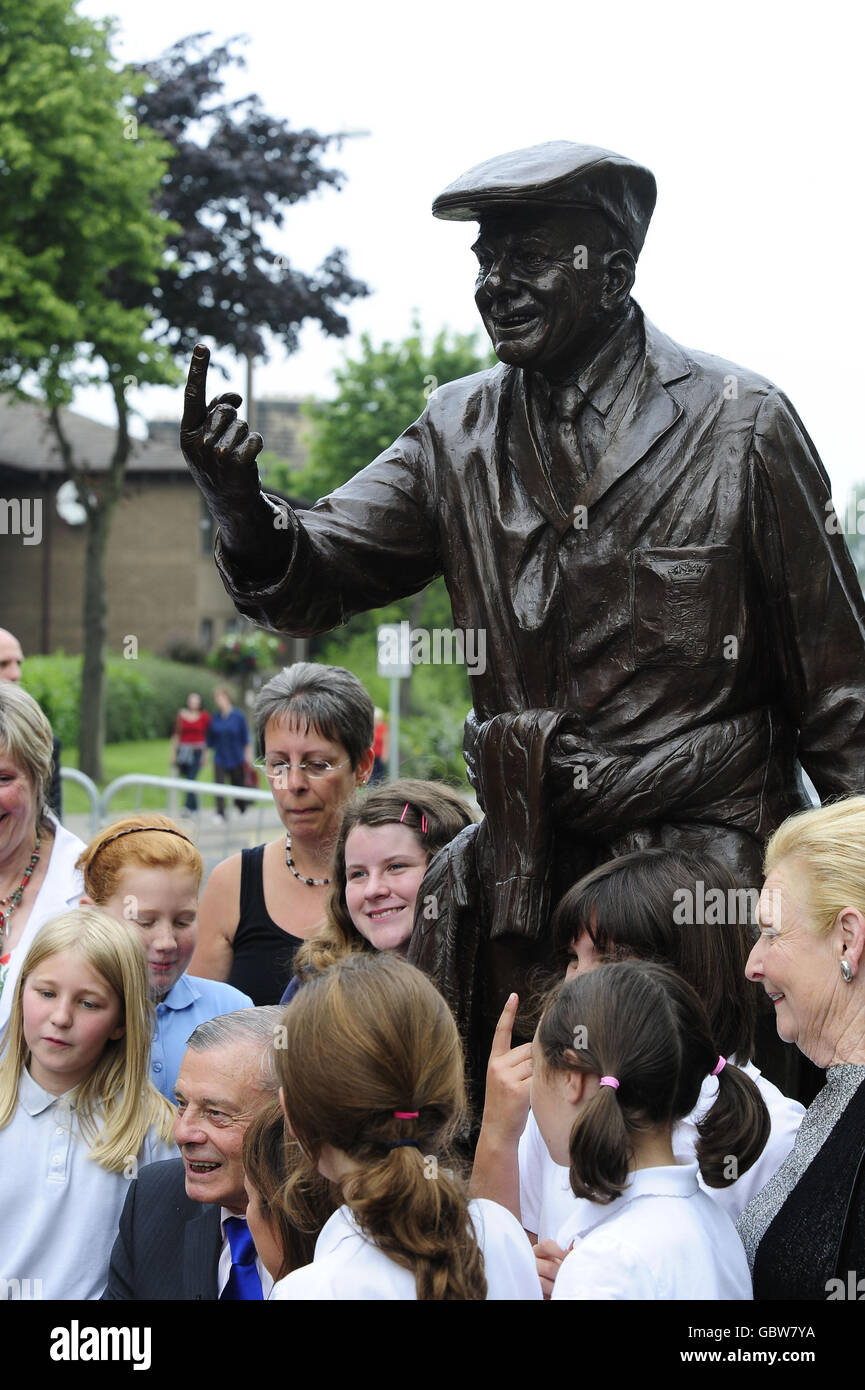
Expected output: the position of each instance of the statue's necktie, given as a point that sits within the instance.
(568, 471)
(243, 1280)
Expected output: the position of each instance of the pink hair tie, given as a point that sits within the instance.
(719, 1066)
(609, 1081)
(404, 809)
(406, 1114)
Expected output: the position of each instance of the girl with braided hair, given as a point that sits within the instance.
(371, 1074)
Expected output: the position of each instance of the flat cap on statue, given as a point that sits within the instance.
(556, 174)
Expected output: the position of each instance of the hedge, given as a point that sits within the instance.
(143, 695)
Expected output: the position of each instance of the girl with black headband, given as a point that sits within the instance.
(145, 871)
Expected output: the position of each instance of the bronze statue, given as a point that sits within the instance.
(640, 531)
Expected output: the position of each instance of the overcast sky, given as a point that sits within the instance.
(748, 113)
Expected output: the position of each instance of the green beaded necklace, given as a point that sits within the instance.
(14, 899)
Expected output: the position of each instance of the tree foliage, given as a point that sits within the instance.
(234, 172)
(132, 207)
(76, 208)
(380, 393)
(77, 184)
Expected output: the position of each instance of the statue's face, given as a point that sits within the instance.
(539, 287)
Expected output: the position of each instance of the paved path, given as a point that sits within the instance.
(215, 840)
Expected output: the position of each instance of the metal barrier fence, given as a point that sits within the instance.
(218, 845)
(182, 784)
(71, 774)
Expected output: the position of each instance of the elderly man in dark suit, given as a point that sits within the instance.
(644, 536)
(183, 1233)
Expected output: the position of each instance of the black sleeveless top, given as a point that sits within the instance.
(263, 952)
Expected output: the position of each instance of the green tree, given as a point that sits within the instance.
(379, 394)
(77, 184)
(235, 170)
(88, 204)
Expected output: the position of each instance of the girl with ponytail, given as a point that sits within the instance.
(619, 1057)
(371, 1074)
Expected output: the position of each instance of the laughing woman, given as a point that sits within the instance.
(805, 1232)
(38, 877)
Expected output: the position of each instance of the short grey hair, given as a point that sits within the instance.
(330, 697)
(26, 739)
(257, 1025)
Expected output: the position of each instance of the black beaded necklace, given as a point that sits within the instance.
(313, 882)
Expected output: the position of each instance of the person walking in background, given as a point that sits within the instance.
(228, 736)
(380, 746)
(189, 743)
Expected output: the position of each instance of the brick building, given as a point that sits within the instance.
(279, 420)
(162, 586)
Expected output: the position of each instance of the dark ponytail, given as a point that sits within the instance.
(371, 1065)
(645, 1026)
(734, 1131)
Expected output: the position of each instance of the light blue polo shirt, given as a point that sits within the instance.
(190, 1001)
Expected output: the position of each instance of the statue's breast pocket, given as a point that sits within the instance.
(685, 606)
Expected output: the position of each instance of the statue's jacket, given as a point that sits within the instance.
(693, 620)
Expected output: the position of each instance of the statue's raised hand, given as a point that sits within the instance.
(221, 454)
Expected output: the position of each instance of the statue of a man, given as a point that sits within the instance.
(644, 535)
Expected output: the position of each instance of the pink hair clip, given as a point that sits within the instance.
(423, 824)
(406, 1114)
(404, 809)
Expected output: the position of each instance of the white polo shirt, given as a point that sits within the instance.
(348, 1265)
(662, 1239)
(59, 1211)
(546, 1199)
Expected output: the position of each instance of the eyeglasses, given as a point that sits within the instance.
(314, 768)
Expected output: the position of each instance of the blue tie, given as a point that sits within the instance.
(243, 1280)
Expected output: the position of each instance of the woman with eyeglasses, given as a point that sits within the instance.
(315, 726)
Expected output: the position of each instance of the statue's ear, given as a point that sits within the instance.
(620, 269)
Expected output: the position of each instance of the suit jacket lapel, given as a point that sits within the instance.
(202, 1244)
(651, 413)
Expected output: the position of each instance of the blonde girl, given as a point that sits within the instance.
(78, 1114)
